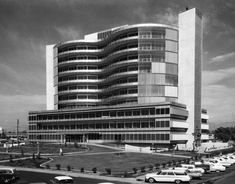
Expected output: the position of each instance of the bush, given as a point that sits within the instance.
(163, 165)
(33, 156)
(22, 152)
(157, 165)
(108, 171)
(134, 170)
(142, 169)
(10, 158)
(150, 167)
(75, 145)
(82, 170)
(94, 170)
(58, 166)
(68, 168)
(47, 166)
(38, 155)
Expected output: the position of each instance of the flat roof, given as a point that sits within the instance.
(126, 106)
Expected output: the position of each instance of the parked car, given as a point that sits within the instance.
(8, 175)
(175, 176)
(192, 173)
(62, 180)
(204, 166)
(222, 162)
(191, 167)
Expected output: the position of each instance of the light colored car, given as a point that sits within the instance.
(191, 167)
(168, 176)
(62, 180)
(222, 162)
(217, 167)
(229, 159)
(192, 173)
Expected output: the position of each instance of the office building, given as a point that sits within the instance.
(136, 84)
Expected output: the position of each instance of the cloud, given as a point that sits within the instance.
(223, 58)
(213, 77)
(219, 100)
(169, 17)
(68, 33)
(15, 107)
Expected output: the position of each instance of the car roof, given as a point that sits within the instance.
(63, 178)
(8, 168)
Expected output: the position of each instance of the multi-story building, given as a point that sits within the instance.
(135, 84)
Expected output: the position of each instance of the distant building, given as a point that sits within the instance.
(137, 84)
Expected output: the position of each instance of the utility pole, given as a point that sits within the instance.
(17, 131)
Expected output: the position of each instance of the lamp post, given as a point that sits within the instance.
(38, 147)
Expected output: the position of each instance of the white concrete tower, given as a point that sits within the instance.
(190, 59)
(50, 90)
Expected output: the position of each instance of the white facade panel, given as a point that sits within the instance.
(171, 91)
(158, 67)
(50, 91)
(171, 57)
(91, 37)
(205, 116)
(171, 46)
(171, 34)
(205, 137)
(205, 126)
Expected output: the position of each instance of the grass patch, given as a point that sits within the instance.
(45, 148)
(117, 162)
(31, 163)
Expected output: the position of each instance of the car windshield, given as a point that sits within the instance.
(66, 181)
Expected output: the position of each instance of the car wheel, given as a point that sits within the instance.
(151, 180)
(177, 181)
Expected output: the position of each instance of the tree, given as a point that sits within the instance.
(225, 133)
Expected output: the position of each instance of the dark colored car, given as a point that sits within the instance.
(206, 167)
(7, 175)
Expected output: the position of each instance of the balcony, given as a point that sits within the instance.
(205, 137)
(178, 137)
(204, 126)
(178, 124)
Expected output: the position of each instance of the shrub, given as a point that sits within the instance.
(58, 166)
(94, 170)
(33, 156)
(38, 155)
(75, 145)
(22, 152)
(142, 169)
(82, 170)
(157, 165)
(108, 171)
(134, 170)
(68, 168)
(10, 159)
(163, 165)
(48, 166)
(150, 167)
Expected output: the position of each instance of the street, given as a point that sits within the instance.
(26, 177)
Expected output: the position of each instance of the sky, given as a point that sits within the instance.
(27, 26)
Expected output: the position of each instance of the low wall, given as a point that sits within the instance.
(130, 148)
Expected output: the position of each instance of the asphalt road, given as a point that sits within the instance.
(34, 177)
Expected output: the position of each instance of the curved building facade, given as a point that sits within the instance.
(134, 64)
(136, 84)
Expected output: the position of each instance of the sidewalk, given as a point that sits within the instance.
(82, 175)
